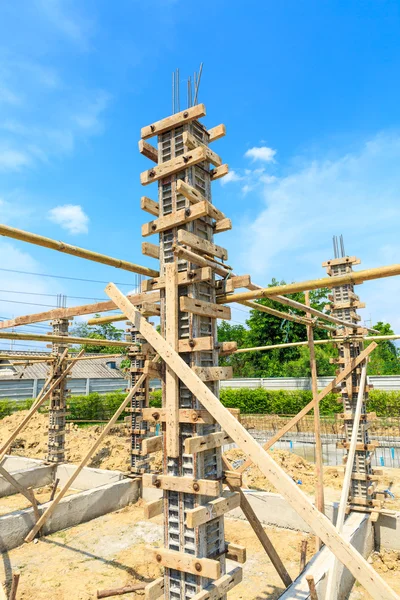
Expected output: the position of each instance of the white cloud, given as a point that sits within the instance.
(358, 195)
(230, 177)
(13, 160)
(71, 25)
(70, 217)
(262, 153)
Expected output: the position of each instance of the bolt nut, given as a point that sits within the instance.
(156, 416)
(152, 127)
(198, 567)
(157, 483)
(152, 173)
(192, 343)
(158, 557)
(187, 212)
(154, 227)
(196, 487)
(195, 416)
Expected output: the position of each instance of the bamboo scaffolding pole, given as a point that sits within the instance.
(329, 341)
(33, 409)
(39, 337)
(332, 574)
(96, 357)
(74, 311)
(49, 511)
(318, 522)
(109, 319)
(355, 277)
(128, 589)
(304, 411)
(40, 240)
(319, 464)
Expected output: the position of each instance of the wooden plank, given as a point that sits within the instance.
(232, 478)
(186, 415)
(311, 587)
(207, 487)
(199, 260)
(184, 278)
(227, 348)
(212, 510)
(171, 380)
(49, 511)
(221, 586)
(236, 282)
(236, 553)
(177, 218)
(191, 142)
(223, 225)
(152, 444)
(196, 344)
(217, 132)
(152, 250)
(284, 484)
(153, 509)
(219, 172)
(206, 442)
(148, 151)
(319, 464)
(85, 309)
(176, 120)
(194, 196)
(155, 589)
(304, 411)
(201, 245)
(206, 567)
(175, 165)
(204, 309)
(150, 206)
(213, 373)
(150, 309)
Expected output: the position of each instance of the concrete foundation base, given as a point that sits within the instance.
(99, 492)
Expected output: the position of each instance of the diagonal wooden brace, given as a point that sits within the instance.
(320, 524)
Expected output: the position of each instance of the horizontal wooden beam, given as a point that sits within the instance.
(153, 509)
(152, 444)
(223, 225)
(217, 132)
(148, 151)
(197, 259)
(199, 344)
(192, 142)
(184, 278)
(152, 250)
(175, 165)
(150, 206)
(155, 589)
(226, 348)
(200, 443)
(236, 552)
(186, 415)
(203, 308)
(177, 218)
(45, 242)
(353, 278)
(212, 510)
(194, 196)
(284, 484)
(213, 373)
(176, 120)
(201, 245)
(219, 172)
(206, 567)
(189, 485)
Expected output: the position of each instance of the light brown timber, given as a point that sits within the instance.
(216, 132)
(191, 142)
(185, 277)
(170, 167)
(216, 508)
(200, 443)
(203, 308)
(39, 337)
(185, 116)
(220, 587)
(213, 373)
(219, 172)
(179, 217)
(171, 380)
(201, 245)
(206, 567)
(152, 509)
(148, 150)
(199, 260)
(319, 523)
(189, 485)
(150, 206)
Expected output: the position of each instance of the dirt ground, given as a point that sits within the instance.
(113, 454)
(19, 502)
(111, 551)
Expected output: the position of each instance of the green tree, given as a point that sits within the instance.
(240, 363)
(385, 359)
(105, 331)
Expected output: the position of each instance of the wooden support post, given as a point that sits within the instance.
(29, 495)
(14, 586)
(303, 555)
(319, 463)
(171, 380)
(331, 386)
(33, 409)
(127, 589)
(49, 511)
(311, 587)
(320, 524)
(332, 574)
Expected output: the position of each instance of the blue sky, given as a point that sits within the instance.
(309, 93)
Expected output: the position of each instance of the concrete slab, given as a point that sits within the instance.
(88, 478)
(34, 477)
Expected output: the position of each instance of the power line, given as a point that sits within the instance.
(64, 277)
(51, 295)
(30, 303)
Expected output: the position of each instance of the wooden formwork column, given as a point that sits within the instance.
(344, 304)
(57, 401)
(194, 553)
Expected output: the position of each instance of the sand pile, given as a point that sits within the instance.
(32, 441)
(387, 560)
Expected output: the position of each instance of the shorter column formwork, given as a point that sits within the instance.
(57, 402)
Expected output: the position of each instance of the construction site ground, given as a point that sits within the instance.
(114, 454)
(111, 551)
